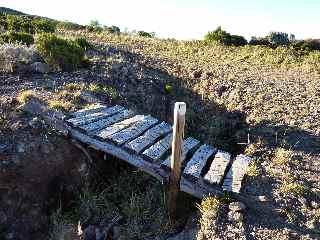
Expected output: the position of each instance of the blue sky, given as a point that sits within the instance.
(185, 19)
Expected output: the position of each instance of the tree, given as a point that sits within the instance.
(225, 38)
(94, 25)
(278, 38)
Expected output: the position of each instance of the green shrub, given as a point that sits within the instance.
(236, 40)
(307, 45)
(3, 22)
(112, 29)
(94, 26)
(19, 23)
(217, 35)
(17, 37)
(43, 25)
(83, 43)
(66, 25)
(145, 34)
(60, 53)
(225, 38)
(260, 41)
(278, 38)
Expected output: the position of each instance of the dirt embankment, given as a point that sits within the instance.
(38, 171)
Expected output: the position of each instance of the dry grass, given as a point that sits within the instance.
(282, 157)
(25, 96)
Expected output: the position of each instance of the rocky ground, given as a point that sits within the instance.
(235, 101)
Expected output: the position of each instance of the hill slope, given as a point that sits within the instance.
(10, 11)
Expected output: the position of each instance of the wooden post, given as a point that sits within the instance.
(178, 134)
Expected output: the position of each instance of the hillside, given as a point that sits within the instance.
(10, 11)
(256, 100)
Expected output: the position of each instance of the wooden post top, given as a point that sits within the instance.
(180, 108)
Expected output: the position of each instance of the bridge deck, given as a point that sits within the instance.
(145, 142)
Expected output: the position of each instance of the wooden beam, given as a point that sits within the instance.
(157, 150)
(195, 166)
(189, 146)
(148, 138)
(175, 174)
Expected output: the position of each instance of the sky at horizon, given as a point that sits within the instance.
(185, 19)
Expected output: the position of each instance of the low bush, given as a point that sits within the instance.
(307, 45)
(66, 25)
(225, 38)
(260, 41)
(59, 53)
(145, 34)
(17, 37)
(94, 26)
(112, 29)
(43, 25)
(236, 40)
(19, 23)
(83, 43)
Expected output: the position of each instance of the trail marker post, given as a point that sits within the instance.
(178, 134)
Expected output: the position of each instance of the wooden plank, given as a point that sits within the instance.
(189, 145)
(198, 161)
(134, 131)
(106, 132)
(157, 150)
(122, 154)
(103, 123)
(233, 179)
(199, 190)
(93, 117)
(149, 137)
(93, 108)
(218, 168)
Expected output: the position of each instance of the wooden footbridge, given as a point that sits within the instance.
(152, 146)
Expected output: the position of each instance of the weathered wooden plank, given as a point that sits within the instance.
(218, 168)
(106, 132)
(233, 179)
(103, 123)
(157, 150)
(92, 117)
(199, 189)
(122, 154)
(198, 161)
(93, 108)
(189, 145)
(134, 131)
(149, 137)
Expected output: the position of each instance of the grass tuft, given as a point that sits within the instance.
(25, 96)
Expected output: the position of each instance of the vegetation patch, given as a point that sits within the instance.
(25, 96)
(59, 53)
(103, 90)
(17, 37)
(282, 157)
(84, 43)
